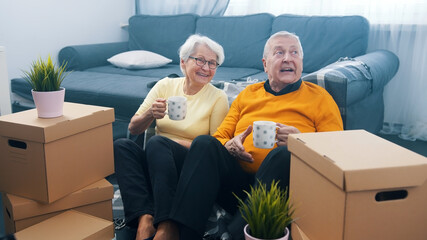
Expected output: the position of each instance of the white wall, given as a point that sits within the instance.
(30, 29)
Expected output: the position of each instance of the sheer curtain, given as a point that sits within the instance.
(166, 7)
(398, 26)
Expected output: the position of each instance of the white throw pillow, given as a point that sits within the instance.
(138, 59)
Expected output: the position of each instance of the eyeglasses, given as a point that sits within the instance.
(201, 62)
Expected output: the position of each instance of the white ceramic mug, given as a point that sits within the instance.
(177, 107)
(264, 134)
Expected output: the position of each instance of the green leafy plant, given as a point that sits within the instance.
(267, 211)
(45, 76)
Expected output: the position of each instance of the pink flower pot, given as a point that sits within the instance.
(49, 104)
(249, 237)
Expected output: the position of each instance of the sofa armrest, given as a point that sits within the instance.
(350, 80)
(357, 84)
(81, 57)
(383, 65)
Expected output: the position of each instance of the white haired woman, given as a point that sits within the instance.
(148, 178)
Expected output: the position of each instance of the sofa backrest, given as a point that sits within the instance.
(326, 38)
(242, 37)
(161, 34)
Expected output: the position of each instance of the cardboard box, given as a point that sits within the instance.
(95, 199)
(354, 185)
(69, 225)
(46, 159)
(297, 233)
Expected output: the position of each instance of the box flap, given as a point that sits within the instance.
(21, 208)
(316, 160)
(357, 160)
(69, 225)
(26, 125)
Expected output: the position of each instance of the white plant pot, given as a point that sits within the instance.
(249, 237)
(49, 104)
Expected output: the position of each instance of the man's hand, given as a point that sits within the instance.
(235, 146)
(158, 109)
(283, 132)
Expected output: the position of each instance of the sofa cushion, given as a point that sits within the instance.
(242, 37)
(161, 34)
(326, 38)
(124, 94)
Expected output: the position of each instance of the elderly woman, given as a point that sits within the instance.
(148, 178)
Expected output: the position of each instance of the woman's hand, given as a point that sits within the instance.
(158, 109)
(283, 132)
(139, 123)
(235, 146)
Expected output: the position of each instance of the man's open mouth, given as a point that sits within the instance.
(286, 70)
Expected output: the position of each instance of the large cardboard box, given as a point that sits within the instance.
(95, 199)
(46, 159)
(70, 225)
(354, 185)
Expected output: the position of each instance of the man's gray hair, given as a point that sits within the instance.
(190, 45)
(282, 34)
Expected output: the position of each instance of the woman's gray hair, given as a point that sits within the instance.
(281, 34)
(190, 45)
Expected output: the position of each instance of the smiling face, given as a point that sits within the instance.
(198, 76)
(283, 62)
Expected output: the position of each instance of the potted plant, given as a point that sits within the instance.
(45, 79)
(268, 212)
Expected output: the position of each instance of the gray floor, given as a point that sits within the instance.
(416, 146)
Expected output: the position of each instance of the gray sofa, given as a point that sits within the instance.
(335, 57)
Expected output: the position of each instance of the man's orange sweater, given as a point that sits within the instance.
(310, 108)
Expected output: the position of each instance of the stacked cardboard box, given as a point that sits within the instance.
(70, 225)
(51, 165)
(95, 199)
(352, 185)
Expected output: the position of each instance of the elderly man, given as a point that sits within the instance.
(228, 162)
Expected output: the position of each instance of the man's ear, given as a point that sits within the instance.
(264, 63)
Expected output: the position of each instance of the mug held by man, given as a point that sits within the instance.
(177, 107)
(264, 134)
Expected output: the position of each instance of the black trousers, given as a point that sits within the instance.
(148, 179)
(210, 174)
